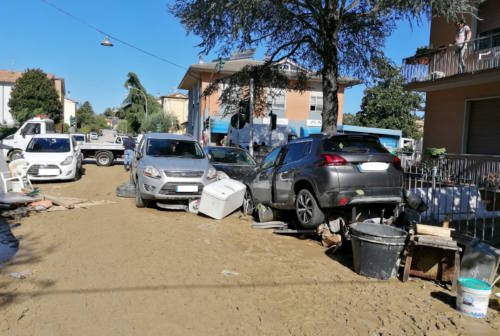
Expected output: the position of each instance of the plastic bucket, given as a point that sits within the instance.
(376, 249)
(473, 297)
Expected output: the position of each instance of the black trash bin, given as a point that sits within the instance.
(376, 249)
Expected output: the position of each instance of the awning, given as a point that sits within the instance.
(220, 126)
(307, 130)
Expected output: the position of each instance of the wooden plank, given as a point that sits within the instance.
(433, 230)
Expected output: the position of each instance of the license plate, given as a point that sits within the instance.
(373, 166)
(48, 172)
(187, 188)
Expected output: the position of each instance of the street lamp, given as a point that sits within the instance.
(106, 42)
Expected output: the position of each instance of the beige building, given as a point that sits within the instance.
(7, 80)
(462, 111)
(69, 110)
(177, 104)
(301, 111)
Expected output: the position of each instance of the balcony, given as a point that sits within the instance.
(441, 66)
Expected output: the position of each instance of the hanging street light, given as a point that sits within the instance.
(106, 42)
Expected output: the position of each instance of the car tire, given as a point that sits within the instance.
(139, 201)
(309, 214)
(104, 158)
(15, 154)
(78, 174)
(248, 207)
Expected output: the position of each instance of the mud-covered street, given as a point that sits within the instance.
(117, 270)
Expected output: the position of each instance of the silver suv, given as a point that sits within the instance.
(169, 168)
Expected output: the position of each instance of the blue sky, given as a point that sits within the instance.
(34, 35)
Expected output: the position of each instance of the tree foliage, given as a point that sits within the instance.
(387, 105)
(109, 112)
(87, 120)
(160, 122)
(135, 105)
(32, 94)
(327, 36)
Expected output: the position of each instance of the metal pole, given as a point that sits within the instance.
(250, 117)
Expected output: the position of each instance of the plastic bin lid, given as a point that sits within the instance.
(474, 284)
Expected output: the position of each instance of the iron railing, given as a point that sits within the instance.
(461, 189)
(479, 54)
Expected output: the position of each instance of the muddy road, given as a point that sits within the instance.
(117, 270)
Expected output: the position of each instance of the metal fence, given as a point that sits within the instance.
(461, 189)
(479, 54)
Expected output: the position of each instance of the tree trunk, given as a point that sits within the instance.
(330, 98)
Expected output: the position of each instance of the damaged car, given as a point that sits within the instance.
(325, 178)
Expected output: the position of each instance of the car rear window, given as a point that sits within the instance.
(353, 145)
(174, 148)
(49, 145)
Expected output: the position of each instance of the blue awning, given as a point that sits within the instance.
(307, 130)
(220, 126)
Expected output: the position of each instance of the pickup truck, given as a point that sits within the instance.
(104, 153)
(14, 145)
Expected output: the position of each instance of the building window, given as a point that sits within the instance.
(276, 99)
(316, 105)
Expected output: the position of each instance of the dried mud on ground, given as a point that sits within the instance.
(117, 270)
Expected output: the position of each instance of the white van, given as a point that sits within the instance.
(15, 144)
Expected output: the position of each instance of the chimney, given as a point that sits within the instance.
(200, 59)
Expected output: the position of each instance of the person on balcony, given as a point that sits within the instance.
(461, 39)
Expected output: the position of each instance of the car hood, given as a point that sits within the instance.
(175, 163)
(236, 172)
(46, 157)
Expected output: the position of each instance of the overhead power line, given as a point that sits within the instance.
(130, 45)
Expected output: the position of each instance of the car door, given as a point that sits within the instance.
(286, 171)
(262, 183)
(27, 132)
(136, 158)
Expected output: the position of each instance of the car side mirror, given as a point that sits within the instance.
(138, 155)
(23, 132)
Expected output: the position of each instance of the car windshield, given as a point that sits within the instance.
(231, 156)
(48, 145)
(354, 145)
(174, 148)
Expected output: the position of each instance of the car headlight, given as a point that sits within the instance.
(67, 161)
(211, 173)
(221, 175)
(152, 172)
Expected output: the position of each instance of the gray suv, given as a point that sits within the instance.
(169, 168)
(325, 177)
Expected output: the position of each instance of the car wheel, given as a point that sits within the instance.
(104, 158)
(139, 201)
(308, 212)
(78, 173)
(248, 205)
(15, 154)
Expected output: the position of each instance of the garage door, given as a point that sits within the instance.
(484, 127)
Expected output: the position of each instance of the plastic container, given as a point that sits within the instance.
(376, 249)
(473, 296)
(222, 197)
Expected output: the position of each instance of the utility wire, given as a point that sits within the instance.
(130, 45)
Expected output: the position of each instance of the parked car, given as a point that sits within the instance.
(53, 157)
(93, 136)
(169, 167)
(236, 163)
(78, 137)
(15, 144)
(326, 177)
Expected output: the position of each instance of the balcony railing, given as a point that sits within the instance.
(480, 54)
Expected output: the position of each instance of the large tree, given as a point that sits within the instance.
(34, 93)
(135, 103)
(327, 36)
(386, 104)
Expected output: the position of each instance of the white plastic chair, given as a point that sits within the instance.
(17, 178)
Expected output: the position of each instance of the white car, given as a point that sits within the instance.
(53, 157)
(93, 136)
